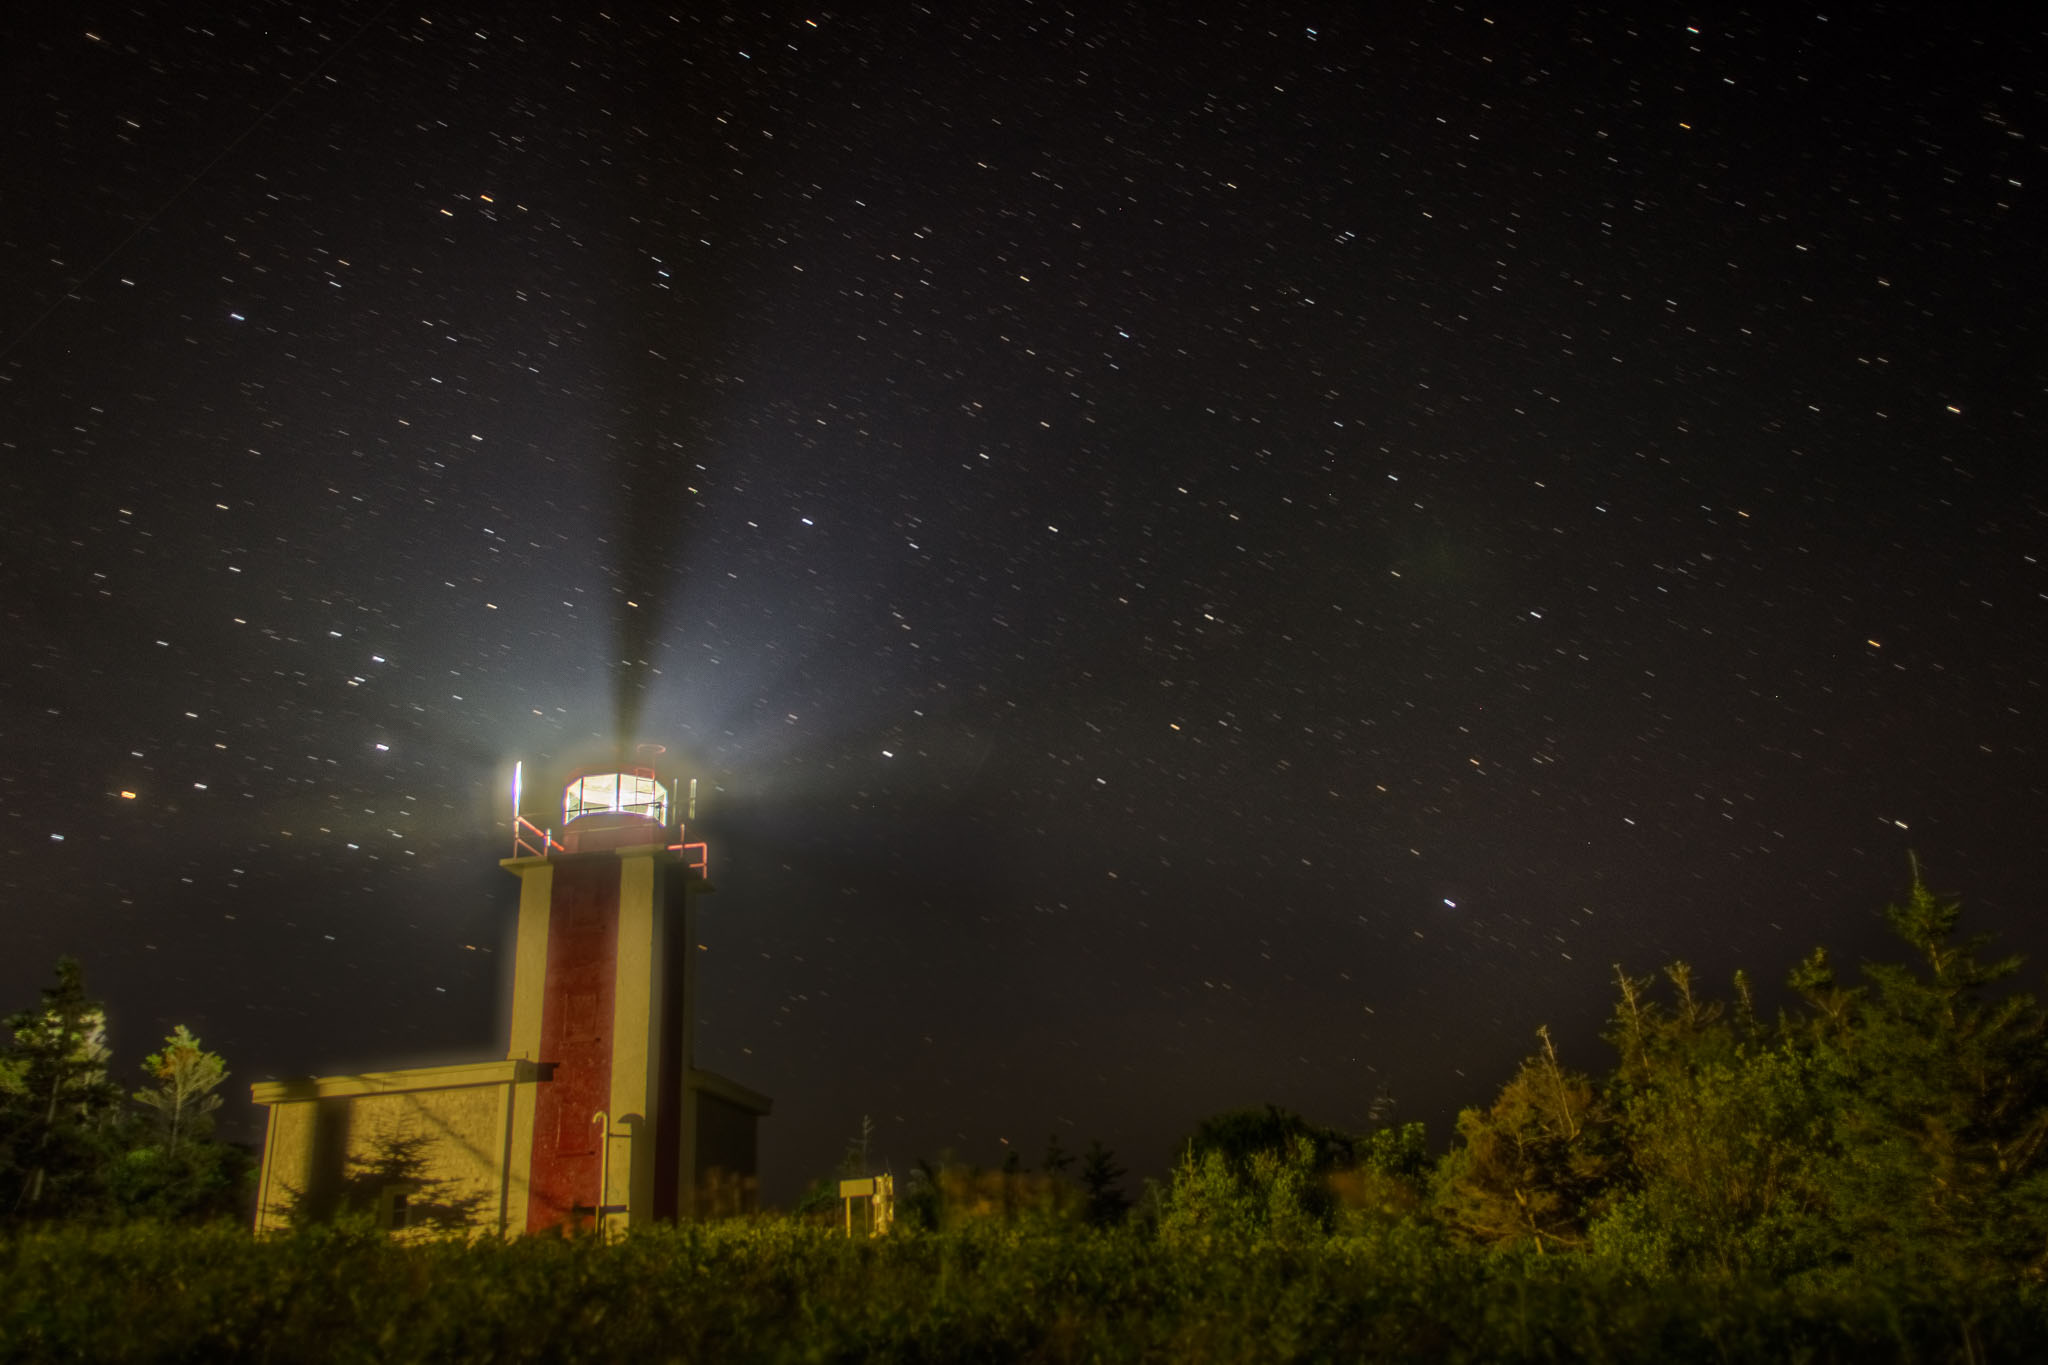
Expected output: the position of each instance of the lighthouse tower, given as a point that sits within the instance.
(603, 989)
(595, 1116)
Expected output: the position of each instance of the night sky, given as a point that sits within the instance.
(1206, 562)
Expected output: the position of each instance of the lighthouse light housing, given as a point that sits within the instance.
(615, 794)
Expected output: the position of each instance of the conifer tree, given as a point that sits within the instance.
(1102, 1178)
(59, 1112)
(1530, 1169)
(176, 1171)
(182, 1101)
(1943, 1167)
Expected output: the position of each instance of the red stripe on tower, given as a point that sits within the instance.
(576, 1043)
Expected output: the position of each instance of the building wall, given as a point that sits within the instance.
(725, 1153)
(414, 1160)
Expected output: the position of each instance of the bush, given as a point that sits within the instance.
(776, 1291)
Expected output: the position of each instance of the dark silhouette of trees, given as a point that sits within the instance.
(1239, 1133)
(71, 1149)
(1102, 1182)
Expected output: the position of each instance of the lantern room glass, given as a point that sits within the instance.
(623, 793)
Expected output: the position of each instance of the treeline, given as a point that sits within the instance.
(76, 1146)
(1892, 1131)
(1859, 1176)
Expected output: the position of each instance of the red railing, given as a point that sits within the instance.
(530, 840)
(701, 862)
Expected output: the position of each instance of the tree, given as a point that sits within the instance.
(59, 1112)
(921, 1204)
(1388, 1178)
(1531, 1169)
(1102, 1179)
(1718, 1160)
(1942, 1169)
(183, 1174)
(1714, 1126)
(1274, 1196)
(853, 1162)
(1240, 1133)
(182, 1100)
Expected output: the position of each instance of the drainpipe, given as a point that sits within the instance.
(604, 1168)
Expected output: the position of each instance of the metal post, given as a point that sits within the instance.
(604, 1169)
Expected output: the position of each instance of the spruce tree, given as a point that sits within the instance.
(175, 1171)
(182, 1101)
(1943, 1167)
(59, 1113)
(1102, 1178)
(1531, 1169)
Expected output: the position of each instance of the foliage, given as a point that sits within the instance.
(1939, 1168)
(68, 1147)
(182, 1100)
(945, 1194)
(1530, 1170)
(1102, 1182)
(201, 1181)
(777, 1291)
(1242, 1133)
(967, 1194)
(1274, 1196)
(1389, 1181)
(59, 1113)
(1718, 1128)
(175, 1170)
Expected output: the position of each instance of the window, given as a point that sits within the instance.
(395, 1202)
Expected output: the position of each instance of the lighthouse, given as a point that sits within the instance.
(601, 995)
(596, 1116)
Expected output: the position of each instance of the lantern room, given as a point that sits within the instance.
(609, 807)
(614, 809)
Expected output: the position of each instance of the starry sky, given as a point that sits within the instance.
(1200, 562)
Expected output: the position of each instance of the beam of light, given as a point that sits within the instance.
(518, 776)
